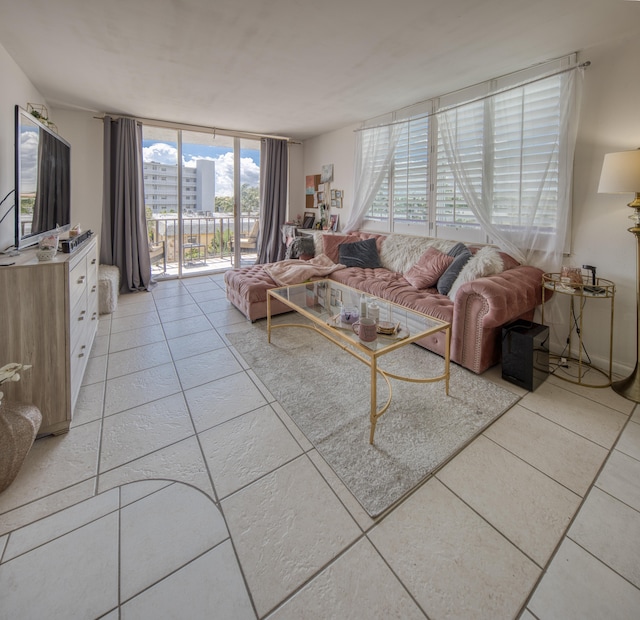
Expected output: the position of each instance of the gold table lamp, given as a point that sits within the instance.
(621, 175)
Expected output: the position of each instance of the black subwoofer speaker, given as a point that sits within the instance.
(525, 353)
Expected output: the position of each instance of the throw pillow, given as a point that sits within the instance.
(485, 262)
(359, 254)
(300, 247)
(458, 249)
(427, 271)
(461, 256)
(330, 244)
(508, 260)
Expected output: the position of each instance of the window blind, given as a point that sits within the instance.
(451, 206)
(492, 161)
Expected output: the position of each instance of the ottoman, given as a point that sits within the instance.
(108, 287)
(247, 290)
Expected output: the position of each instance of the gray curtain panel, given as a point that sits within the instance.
(274, 164)
(124, 241)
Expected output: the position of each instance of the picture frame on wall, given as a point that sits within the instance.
(327, 173)
(311, 184)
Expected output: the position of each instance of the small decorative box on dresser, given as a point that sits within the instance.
(49, 318)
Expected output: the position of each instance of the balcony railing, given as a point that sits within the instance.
(207, 241)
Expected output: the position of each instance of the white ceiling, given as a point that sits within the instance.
(293, 68)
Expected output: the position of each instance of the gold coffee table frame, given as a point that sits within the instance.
(319, 301)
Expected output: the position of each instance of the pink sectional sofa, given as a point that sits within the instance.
(477, 312)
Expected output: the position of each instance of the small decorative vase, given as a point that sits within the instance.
(45, 254)
(19, 424)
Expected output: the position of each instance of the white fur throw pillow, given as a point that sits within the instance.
(485, 262)
(400, 252)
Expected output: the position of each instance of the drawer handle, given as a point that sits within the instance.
(81, 317)
(93, 288)
(93, 262)
(81, 279)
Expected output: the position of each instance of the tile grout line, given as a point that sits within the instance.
(576, 514)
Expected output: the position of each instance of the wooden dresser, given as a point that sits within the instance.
(49, 318)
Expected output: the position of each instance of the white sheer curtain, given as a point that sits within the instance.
(516, 183)
(374, 151)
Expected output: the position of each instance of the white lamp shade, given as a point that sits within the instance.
(620, 173)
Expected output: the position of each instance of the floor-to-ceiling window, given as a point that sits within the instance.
(202, 199)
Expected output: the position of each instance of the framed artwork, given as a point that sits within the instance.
(336, 298)
(327, 173)
(309, 219)
(320, 196)
(311, 183)
(334, 203)
(333, 223)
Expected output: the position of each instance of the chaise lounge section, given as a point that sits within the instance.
(477, 309)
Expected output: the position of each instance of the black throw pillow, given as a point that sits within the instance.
(462, 256)
(359, 254)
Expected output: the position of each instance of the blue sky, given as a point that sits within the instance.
(165, 152)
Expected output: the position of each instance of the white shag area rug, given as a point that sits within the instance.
(326, 392)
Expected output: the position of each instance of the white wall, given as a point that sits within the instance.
(80, 129)
(84, 132)
(335, 148)
(296, 180)
(609, 122)
(16, 90)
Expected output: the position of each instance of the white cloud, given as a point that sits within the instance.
(160, 153)
(28, 161)
(249, 170)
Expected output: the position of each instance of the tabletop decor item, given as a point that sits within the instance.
(48, 247)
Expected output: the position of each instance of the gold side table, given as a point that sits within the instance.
(579, 294)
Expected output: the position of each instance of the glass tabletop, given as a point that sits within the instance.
(339, 306)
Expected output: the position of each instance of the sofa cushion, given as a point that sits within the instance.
(484, 262)
(330, 244)
(461, 255)
(459, 248)
(427, 271)
(362, 254)
(302, 248)
(400, 252)
(508, 261)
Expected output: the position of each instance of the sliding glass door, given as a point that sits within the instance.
(203, 214)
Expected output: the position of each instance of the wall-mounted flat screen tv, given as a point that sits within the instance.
(43, 185)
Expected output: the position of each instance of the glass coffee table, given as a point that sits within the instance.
(322, 301)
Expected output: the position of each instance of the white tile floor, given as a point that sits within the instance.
(183, 490)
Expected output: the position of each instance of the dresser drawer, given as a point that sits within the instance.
(77, 282)
(79, 318)
(78, 363)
